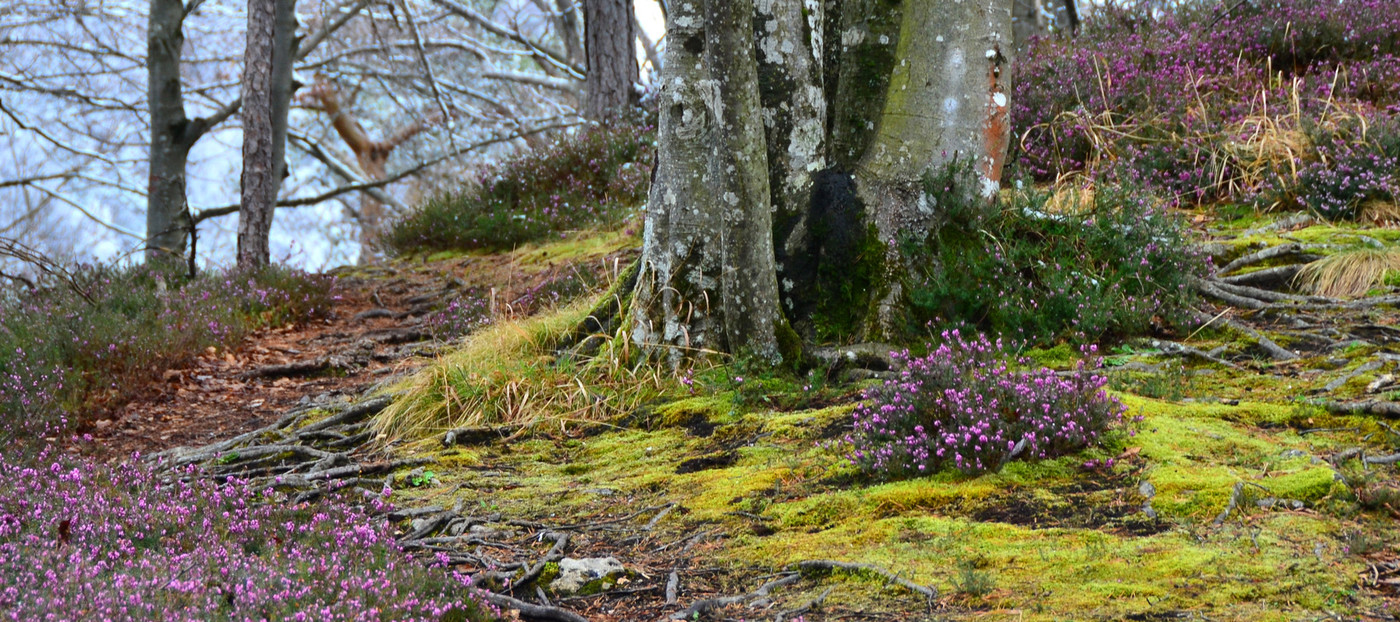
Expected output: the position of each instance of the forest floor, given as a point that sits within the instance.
(1259, 485)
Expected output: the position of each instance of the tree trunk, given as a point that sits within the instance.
(267, 92)
(946, 104)
(863, 104)
(707, 279)
(259, 172)
(610, 43)
(567, 21)
(167, 214)
(284, 54)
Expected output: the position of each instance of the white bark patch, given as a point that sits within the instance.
(814, 25)
(950, 111)
(990, 187)
(852, 36)
(711, 92)
(999, 99)
(732, 199)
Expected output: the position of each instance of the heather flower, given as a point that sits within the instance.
(83, 541)
(963, 405)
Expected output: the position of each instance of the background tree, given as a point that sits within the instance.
(848, 190)
(611, 33)
(259, 180)
(77, 119)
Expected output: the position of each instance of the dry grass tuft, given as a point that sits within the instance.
(1073, 194)
(1381, 213)
(508, 375)
(1349, 274)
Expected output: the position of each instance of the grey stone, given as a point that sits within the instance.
(576, 573)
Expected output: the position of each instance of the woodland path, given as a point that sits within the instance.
(261, 407)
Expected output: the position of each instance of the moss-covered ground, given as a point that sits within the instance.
(758, 477)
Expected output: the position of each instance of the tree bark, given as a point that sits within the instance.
(259, 172)
(167, 214)
(946, 104)
(284, 53)
(610, 43)
(708, 279)
(863, 103)
(267, 91)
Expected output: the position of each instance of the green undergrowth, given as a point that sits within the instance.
(766, 467)
(594, 178)
(85, 340)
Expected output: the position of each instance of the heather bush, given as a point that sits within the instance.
(84, 541)
(1041, 268)
(463, 315)
(963, 405)
(67, 352)
(1344, 166)
(596, 178)
(1186, 101)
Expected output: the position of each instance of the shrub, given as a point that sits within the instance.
(79, 540)
(1184, 99)
(68, 352)
(594, 179)
(1346, 165)
(462, 316)
(963, 406)
(1038, 270)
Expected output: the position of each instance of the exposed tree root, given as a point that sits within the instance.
(829, 565)
(1364, 407)
(700, 607)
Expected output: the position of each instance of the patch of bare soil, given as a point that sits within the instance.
(375, 332)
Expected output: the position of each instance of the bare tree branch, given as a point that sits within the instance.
(365, 186)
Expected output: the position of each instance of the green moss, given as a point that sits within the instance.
(1306, 485)
(548, 574)
(848, 288)
(1061, 356)
(712, 409)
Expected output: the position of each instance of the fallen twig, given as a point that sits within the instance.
(533, 612)
(700, 607)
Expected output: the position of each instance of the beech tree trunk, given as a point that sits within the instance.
(167, 214)
(946, 103)
(707, 279)
(861, 103)
(610, 40)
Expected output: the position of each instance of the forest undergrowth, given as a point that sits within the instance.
(1177, 403)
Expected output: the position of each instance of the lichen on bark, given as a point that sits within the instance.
(707, 279)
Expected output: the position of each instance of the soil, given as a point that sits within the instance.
(374, 333)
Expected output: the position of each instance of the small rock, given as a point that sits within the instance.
(1293, 453)
(576, 573)
(492, 533)
(601, 492)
